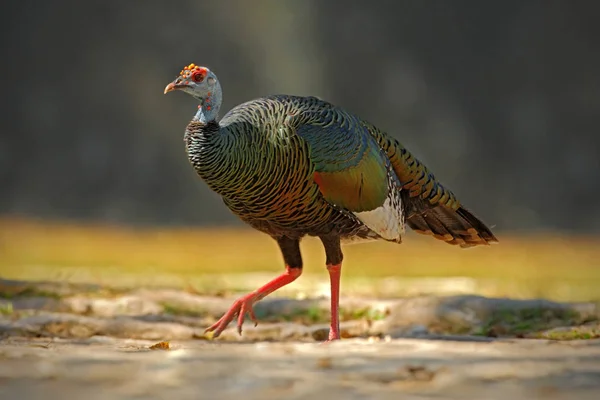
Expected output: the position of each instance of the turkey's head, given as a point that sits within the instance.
(197, 81)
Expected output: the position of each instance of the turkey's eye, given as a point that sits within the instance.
(198, 77)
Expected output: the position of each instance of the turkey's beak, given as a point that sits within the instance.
(170, 87)
(176, 84)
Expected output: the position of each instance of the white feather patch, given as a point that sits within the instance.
(386, 220)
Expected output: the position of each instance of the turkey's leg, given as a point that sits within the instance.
(290, 248)
(333, 252)
(334, 280)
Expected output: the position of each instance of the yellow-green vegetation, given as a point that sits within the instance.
(571, 333)
(27, 292)
(6, 309)
(176, 309)
(527, 322)
(316, 314)
(561, 268)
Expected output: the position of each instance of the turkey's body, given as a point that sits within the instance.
(292, 166)
(256, 161)
(264, 156)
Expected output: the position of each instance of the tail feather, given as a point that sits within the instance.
(478, 228)
(457, 227)
(418, 223)
(439, 229)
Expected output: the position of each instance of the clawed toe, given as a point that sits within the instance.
(240, 308)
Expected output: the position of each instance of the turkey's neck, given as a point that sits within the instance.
(209, 106)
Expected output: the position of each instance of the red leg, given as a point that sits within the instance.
(334, 279)
(243, 305)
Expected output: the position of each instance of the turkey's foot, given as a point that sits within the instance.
(239, 308)
(243, 305)
(334, 334)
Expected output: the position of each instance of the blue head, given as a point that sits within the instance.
(202, 84)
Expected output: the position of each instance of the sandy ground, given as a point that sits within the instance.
(62, 341)
(108, 368)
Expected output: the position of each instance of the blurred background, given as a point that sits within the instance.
(499, 98)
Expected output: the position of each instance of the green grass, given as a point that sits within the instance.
(28, 292)
(315, 315)
(573, 333)
(530, 322)
(181, 310)
(6, 309)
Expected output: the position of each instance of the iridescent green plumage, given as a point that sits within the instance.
(292, 166)
(350, 169)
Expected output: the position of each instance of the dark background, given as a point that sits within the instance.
(500, 98)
